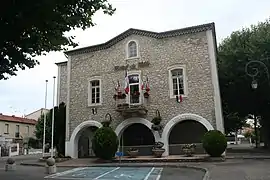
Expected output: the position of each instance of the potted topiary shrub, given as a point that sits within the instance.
(214, 143)
(158, 150)
(133, 152)
(189, 149)
(105, 143)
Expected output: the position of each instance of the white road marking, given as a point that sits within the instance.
(147, 176)
(65, 172)
(107, 173)
(159, 174)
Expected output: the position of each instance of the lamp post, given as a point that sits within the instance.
(254, 84)
(44, 120)
(53, 116)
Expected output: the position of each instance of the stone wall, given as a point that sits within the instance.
(190, 50)
(62, 89)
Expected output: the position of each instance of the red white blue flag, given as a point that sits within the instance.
(126, 88)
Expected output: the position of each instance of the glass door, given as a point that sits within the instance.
(134, 86)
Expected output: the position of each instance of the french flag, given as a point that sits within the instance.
(126, 83)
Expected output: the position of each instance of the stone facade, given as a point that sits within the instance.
(62, 83)
(191, 50)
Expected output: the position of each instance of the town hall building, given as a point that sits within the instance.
(139, 75)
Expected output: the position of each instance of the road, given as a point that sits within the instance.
(231, 169)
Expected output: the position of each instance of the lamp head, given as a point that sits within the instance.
(254, 84)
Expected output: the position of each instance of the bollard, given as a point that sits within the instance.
(10, 165)
(50, 166)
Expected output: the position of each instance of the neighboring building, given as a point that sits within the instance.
(12, 127)
(36, 114)
(180, 68)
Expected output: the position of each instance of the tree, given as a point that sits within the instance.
(31, 28)
(59, 128)
(234, 53)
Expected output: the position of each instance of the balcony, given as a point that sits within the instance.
(131, 110)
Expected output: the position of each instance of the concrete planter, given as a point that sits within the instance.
(188, 151)
(158, 152)
(133, 153)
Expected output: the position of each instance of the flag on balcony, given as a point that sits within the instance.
(179, 98)
(126, 88)
(147, 88)
(118, 87)
(142, 84)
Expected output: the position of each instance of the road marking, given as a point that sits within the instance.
(159, 174)
(64, 173)
(147, 176)
(107, 173)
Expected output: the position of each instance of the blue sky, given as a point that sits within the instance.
(25, 92)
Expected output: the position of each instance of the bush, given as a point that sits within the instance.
(214, 143)
(34, 143)
(105, 143)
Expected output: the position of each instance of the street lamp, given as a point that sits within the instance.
(254, 85)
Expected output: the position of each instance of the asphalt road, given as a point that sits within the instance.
(38, 173)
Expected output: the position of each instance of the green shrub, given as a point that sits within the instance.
(214, 143)
(105, 143)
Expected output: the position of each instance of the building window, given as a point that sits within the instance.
(6, 129)
(132, 49)
(27, 131)
(17, 132)
(94, 94)
(134, 86)
(177, 82)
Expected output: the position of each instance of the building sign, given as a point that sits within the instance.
(132, 66)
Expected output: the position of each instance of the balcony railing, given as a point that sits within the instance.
(130, 110)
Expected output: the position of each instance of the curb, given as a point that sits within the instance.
(247, 157)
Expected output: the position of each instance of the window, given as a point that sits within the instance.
(6, 129)
(17, 128)
(17, 132)
(132, 49)
(177, 82)
(27, 131)
(134, 86)
(94, 94)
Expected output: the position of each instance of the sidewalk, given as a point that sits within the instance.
(170, 161)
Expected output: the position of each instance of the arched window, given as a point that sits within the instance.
(132, 49)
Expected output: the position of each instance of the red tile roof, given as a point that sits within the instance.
(17, 119)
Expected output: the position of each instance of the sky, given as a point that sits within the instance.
(25, 93)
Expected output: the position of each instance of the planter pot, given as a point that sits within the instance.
(133, 153)
(188, 151)
(158, 152)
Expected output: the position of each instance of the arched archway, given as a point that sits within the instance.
(186, 132)
(81, 132)
(199, 122)
(136, 133)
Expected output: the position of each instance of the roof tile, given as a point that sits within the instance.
(17, 119)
